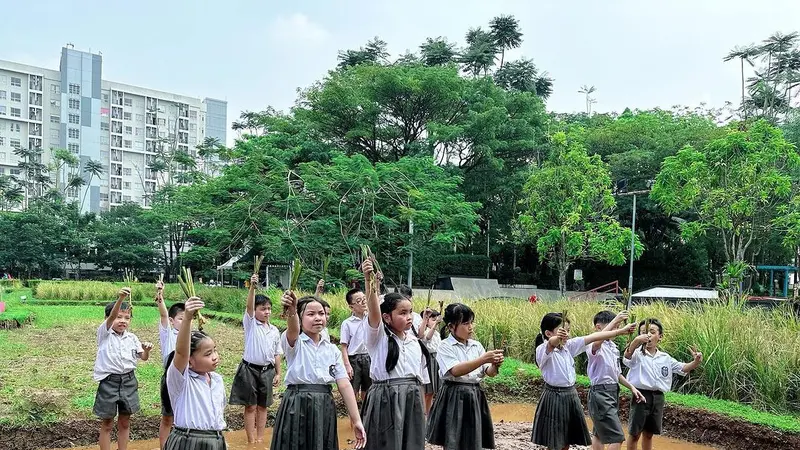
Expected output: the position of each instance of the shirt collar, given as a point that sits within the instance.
(453, 341)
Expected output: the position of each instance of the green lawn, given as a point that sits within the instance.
(46, 373)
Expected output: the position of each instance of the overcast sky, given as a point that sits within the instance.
(254, 53)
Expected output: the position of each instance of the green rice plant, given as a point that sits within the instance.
(187, 285)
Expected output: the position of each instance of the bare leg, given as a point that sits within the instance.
(261, 423)
(596, 444)
(106, 427)
(123, 431)
(163, 429)
(428, 403)
(617, 446)
(647, 441)
(633, 441)
(250, 423)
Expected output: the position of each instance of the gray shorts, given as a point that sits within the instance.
(604, 411)
(252, 385)
(361, 380)
(647, 416)
(117, 394)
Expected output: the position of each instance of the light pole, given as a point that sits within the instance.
(633, 241)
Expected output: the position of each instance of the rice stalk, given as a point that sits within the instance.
(187, 286)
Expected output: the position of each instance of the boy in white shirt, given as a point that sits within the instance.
(260, 368)
(651, 372)
(118, 351)
(605, 375)
(354, 345)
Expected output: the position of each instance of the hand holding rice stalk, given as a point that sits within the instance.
(187, 286)
(257, 265)
(564, 321)
(647, 331)
(366, 253)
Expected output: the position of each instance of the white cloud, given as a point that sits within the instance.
(297, 28)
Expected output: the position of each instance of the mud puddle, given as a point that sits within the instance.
(512, 431)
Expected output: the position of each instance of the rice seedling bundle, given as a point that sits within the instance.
(187, 285)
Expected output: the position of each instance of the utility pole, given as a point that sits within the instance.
(633, 241)
(488, 230)
(410, 255)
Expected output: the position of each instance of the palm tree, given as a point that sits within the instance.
(588, 90)
(506, 34)
(480, 54)
(61, 160)
(93, 169)
(744, 54)
(437, 52)
(544, 86)
(518, 75)
(775, 49)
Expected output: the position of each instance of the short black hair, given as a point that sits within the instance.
(349, 296)
(405, 291)
(604, 317)
(653, 321)
(262, 300)
(176, 309)
(125, 306)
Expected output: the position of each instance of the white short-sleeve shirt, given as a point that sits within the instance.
(603, 367)
(558, 367)
(324, 334)
(167, 337)
(434, 342)
(411, 362)
(652, 372)
(198, 400)
(354, 334)
(312, 363)
(261, 341)
(452, 352)
(116, 353)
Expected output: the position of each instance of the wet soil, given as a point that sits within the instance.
(512, 422)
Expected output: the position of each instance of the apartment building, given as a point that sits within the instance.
(119, 125)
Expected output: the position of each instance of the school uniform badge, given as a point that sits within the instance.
(664, 371)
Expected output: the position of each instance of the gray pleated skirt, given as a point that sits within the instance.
(183, 439)
(394, 416)
(306, 419)
(559, 419)
(460, 418)
(433, 373)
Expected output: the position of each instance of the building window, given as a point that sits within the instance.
(55, 119)
(127, 116)
(127, 172)
(2, 154)
(2, 95)
(126, 198)
(140, 118)
(126, 185)
(16, 112)
(128, 130)
(74, 119)
(139, 131)
(14, 127)
(55, 89)
(74, 133)
(74, 148)
(2, 110)
(14, 143)
(16, 81)
(75, 89)
(127, 144)
(128, 102)
(104, 139)
(193, 115)
(16, 97)
(2, 141)
(162, 122)
(53, 135)
(74, 103)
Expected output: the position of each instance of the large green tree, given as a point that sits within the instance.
(735, 186)
(569, 210)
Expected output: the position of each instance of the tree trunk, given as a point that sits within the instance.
(744, 108)
(502, 56)
(562, 280)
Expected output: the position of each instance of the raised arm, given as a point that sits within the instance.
(289, 301)
(373, 304)
(621, 317)
(635, 344)
(183, 344)
(320, 287)
(124, 293)
(605, 335)
(251, 296)
(162, 308)
(423, 328)
(697, 359)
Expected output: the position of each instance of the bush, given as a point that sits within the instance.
(13, 284)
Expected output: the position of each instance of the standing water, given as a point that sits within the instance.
(513, 433)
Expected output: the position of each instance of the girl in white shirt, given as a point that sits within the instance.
(394, 416)
(559, 420)
(196, 390)
(460, 418)
(306, 418)
(431, 338)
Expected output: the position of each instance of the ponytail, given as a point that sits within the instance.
(170, 357)
(393, 353)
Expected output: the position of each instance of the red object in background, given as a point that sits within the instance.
(2, 307)
(533, 298)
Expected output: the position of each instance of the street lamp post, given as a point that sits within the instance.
(633, 241)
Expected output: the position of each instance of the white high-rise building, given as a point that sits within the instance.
(118, 125)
